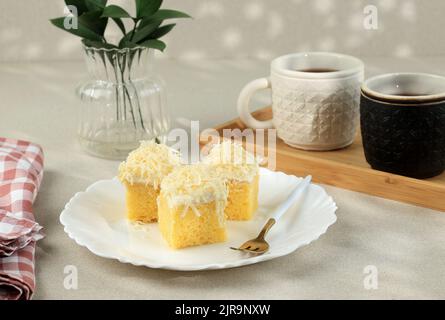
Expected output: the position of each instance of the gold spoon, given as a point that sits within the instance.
(259, 245)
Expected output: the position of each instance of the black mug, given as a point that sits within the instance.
(402, 120)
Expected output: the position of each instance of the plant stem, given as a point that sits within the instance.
(139, 105)
(116, 89)
(134, 29)
(121, 67)
(131, 105)
(130, 62)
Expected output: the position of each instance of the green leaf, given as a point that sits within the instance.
(79, 4)
(94, 5)
(163, 14)
(94, 21)
(154, 44)
(120, 24)
(98, 44)
(145, 8)
(143, 33)
(82, 31)
(151, 43)
(162, 31)
(113, 11)
(125, 43)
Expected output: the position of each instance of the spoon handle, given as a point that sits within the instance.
(269, 224)
(299, 189)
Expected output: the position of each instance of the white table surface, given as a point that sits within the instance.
(405, 243)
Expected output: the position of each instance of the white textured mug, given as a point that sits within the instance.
(315, 99)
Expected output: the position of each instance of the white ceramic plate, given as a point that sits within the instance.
(96, 219)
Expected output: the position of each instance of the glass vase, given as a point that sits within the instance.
(122, 103)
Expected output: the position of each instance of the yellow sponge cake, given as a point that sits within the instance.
(232, 163)
(142, 174)
(191, 207)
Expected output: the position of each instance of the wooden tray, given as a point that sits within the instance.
(348, 169)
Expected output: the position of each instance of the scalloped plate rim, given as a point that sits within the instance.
(278, 252)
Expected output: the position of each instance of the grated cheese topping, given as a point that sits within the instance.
(192, 185)
(149, 164)
(230, 161)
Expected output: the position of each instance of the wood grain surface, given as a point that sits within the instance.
(347, 168)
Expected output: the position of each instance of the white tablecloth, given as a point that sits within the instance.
(405, 243)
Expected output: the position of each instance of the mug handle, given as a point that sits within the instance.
(244, 100)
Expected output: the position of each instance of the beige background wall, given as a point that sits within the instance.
(246, 28)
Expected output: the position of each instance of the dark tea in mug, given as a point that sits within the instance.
(403, 131)
(318, 70)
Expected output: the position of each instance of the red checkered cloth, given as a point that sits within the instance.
(21, 172)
